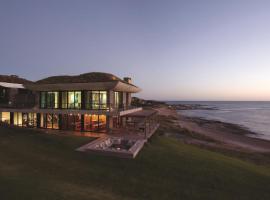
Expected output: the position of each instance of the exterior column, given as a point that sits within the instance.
(38, 120)
(109, 123)
(83, 100)
(82, 122)
(60, 100)
(11, 118)
(60, 121)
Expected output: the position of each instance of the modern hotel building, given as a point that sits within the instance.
(96, 102)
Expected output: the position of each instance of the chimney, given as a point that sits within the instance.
(128, 80)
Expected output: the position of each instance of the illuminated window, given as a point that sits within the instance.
(102, 122)
(55, 121)
(6, 117)
(117, 99)
(96, 100)
(74, 99)
(77, 99)
(103, 99)
(24, 119)
(17, 118)
(42, 120)
(94, 122)
(32, 119)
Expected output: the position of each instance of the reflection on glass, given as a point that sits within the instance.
(64, 99)
(43, 99)
(103, 99)
(95, 99)
(74, 99)
(88, 99)
(70, 99)
(77, 99)
(116, 99)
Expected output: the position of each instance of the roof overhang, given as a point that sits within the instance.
(111, 85)
(11, 85)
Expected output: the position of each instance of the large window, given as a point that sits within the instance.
(42, 99)
(42, 120)
(96, 100)
(17, 118)
(64, 99)
(117, 99)
(71, 99)
(6, 117)
(94, 122)
(24, 119)
(52, 100)
(49, 99)
(32, 120)
(103, 99)
(50, 121)
(71, 122)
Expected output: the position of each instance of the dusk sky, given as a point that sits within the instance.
(173, 50)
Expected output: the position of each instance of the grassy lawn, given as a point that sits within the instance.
(41, 166)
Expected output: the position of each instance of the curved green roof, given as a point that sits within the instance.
(82, 78)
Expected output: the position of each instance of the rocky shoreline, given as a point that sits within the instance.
(210, 133)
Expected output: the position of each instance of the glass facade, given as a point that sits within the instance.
(91, 100)
(42, 99)
(50, 121)
(71, 99)
(96, 100)
(118, 100)
(32, 120)
(49, 99)
(17, 118)
(24, 119)
(64, 99)
(94, 122)
(71, 122)
(5, 117)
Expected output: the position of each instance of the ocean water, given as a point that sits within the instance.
(254, 116)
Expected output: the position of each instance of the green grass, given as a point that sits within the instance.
(41, 166)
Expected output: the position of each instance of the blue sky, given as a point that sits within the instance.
(173, 50)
